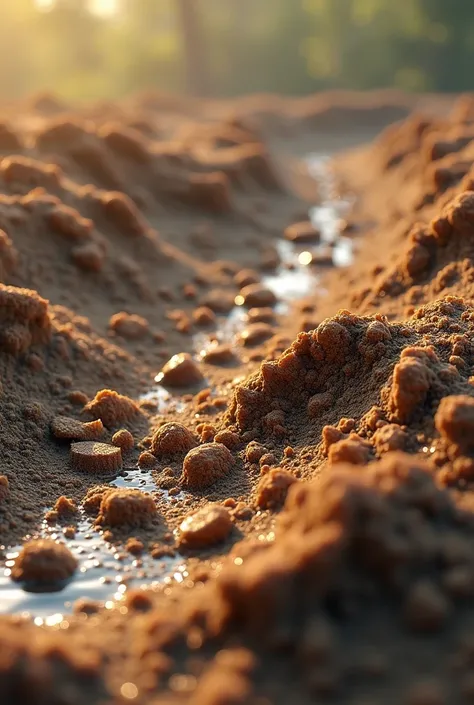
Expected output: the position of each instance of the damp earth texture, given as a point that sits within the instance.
(237, 401)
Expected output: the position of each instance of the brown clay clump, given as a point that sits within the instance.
(220, 354)
(93, 499)
(302, 233)
(228, 438)
(219, 300)
(123, 213)
(91, 457)
(69, 223)
(43, 562)
(4, 488)
(146, 459)
(8, 255)
(89, 257)
(125, 507)
(124, 440)
(454, 421)
(319, 402)
(389, 438)
(411, 382)
(246, 277)
(126, 142)
(24, 319)
(129, 326)
(204, 316)
(256, 333)
(112, 408)
(180, 371)
(205, 465)
(273, 488)
(261, 315)
(60, 134)
(257, 296)
(66, 428)
(29, 173)
(206, 527)
(172, 438)
(353, 450)
(65, 506)
(210, 192)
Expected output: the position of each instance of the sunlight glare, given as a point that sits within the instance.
(44, 5)
(104, 8)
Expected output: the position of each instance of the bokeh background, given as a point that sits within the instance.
(88, 49)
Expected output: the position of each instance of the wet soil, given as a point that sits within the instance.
(237, 401)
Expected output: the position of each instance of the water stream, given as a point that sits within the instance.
(104, 570)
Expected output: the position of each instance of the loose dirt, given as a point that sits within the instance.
(237, 401)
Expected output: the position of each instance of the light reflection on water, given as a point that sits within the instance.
(103, 574)
(105, 571)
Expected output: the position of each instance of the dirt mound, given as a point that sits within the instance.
(322, 562)
(358, 557)
(336, 389)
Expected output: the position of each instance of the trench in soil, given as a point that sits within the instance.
(105, 571)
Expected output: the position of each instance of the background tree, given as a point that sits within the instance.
(193, 47)
(232, 47)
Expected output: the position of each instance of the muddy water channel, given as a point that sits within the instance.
(104, 571)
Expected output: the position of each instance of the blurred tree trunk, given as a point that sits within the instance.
(195, 59)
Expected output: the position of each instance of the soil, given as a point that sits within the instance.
(247, 373)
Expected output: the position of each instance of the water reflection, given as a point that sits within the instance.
(104, 571)
(103, 574)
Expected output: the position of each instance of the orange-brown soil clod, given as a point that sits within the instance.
(303, 233)
(66, 428)
(205, 465)
(111, 408)
(24, 319)
(204, 316)
(181, 371)
(123, 213)
(88, 257)
(206, 527)
(4, 488)
(88, 456)
(273, 488)
(146, 459)
(220, 354)
(43, 561)
(124, 507)
(256, 333)
(257, 296)
(66, 221)
(172, 438)
(455, 422)
(65, 506)
(124, 440)
(390, 437)
(129, 326)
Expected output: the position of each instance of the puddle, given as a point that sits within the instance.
(297, 276)
(293, 279)
(105, 571)
(163, 399)
(104, 574)
(135, 479)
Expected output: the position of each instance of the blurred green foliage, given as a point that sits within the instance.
(284, 46)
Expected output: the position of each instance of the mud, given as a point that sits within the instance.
(237, 403)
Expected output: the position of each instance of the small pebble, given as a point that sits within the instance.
(180, 371)
(206, 527)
